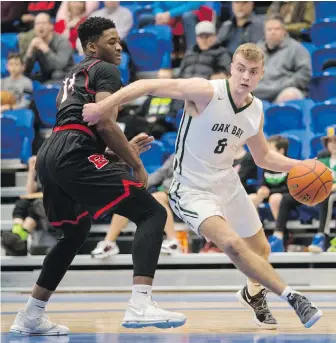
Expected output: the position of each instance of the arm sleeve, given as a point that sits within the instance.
(162, 173)
(106, 77)
(186, 7)
(59, 59)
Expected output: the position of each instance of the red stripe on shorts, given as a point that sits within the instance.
(78, 127)
(73, 222)
(126, 193)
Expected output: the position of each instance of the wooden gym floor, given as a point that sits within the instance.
(212, 318)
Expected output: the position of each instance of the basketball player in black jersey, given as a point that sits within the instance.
(80, 183)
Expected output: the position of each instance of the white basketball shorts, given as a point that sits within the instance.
(193, 206)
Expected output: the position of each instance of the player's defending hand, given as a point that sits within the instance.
(141, 142)
(91, 113)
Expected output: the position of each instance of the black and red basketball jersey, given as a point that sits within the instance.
(80, 86)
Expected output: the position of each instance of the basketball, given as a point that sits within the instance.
(7, 98)
(310, 182)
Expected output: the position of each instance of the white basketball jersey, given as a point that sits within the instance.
(206, 143)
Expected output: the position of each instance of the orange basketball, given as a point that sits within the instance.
(310, 182)
(7, 98)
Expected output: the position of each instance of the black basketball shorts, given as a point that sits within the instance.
(78, 181)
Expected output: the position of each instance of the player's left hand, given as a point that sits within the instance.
(91, 113)
(141, 142)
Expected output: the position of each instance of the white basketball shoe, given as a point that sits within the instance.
(40, 326)
(105, 249)
(148, 313)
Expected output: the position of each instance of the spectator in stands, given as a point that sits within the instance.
(245, 167)
(274, 184)
(51, 50)
(28, 215)
(297, 15)
(160, 180)
(244, 27)
(62, 13)
(120, 15)
(75, 14)
(206, 59)
(16, 83)
(288, 203)
(287, 65)
(168, 12)
(11, 13)
(36, 7)
(152, 116)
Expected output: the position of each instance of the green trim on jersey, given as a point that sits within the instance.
(234, 107)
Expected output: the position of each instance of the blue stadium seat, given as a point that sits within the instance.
(309, 47)
(144, 42)
(321, 56)
(316, 145)
(4, 71)
(78, 58)
(295, 145)
(17, 134)
(45, 100)
(323, 32)
(168, 139)
(323, 87)
(323, 115)
(324, 9)
(123, 67)
(9, 43)
(283, 117)
(153, 158)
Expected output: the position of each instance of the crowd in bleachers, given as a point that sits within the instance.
(39, 44)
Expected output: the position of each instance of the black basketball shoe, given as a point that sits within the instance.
(258, 304)
(308, 313)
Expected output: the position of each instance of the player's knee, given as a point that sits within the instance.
(77, 234)
(275, 199)
(161, 197)
(233, 246)
(161, 214)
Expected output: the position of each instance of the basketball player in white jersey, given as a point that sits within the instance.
(206, 193)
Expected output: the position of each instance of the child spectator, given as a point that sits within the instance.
(288, 203)
(16, 83)
(274, 184)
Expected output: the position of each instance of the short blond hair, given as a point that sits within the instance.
(250, 52)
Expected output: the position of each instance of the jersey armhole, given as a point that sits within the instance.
(216, 96)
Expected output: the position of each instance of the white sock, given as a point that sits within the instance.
(35, 307)
(141, 293)
(253, 288)
(287, 292)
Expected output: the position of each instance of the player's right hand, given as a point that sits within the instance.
(141, 175)
(91, 113)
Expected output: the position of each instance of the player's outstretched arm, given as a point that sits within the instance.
(198, 90)
(266, 158)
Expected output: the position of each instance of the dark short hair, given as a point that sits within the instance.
(280, 142)
(277, 17)
(92, 28)
(15, 55)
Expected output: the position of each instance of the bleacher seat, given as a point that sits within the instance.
(322, 87)
(9, 43)
(17, 134)
(321, 56)
(316, 145)
(295, 145)
(78, 58)
(323, 115)
(45, 99)
(324, 32)
(309, 47)
(168, 139)
(123, 67)
(153, 158)
(152, 38)
(283, 117)
(4, 71)
(324, 9)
